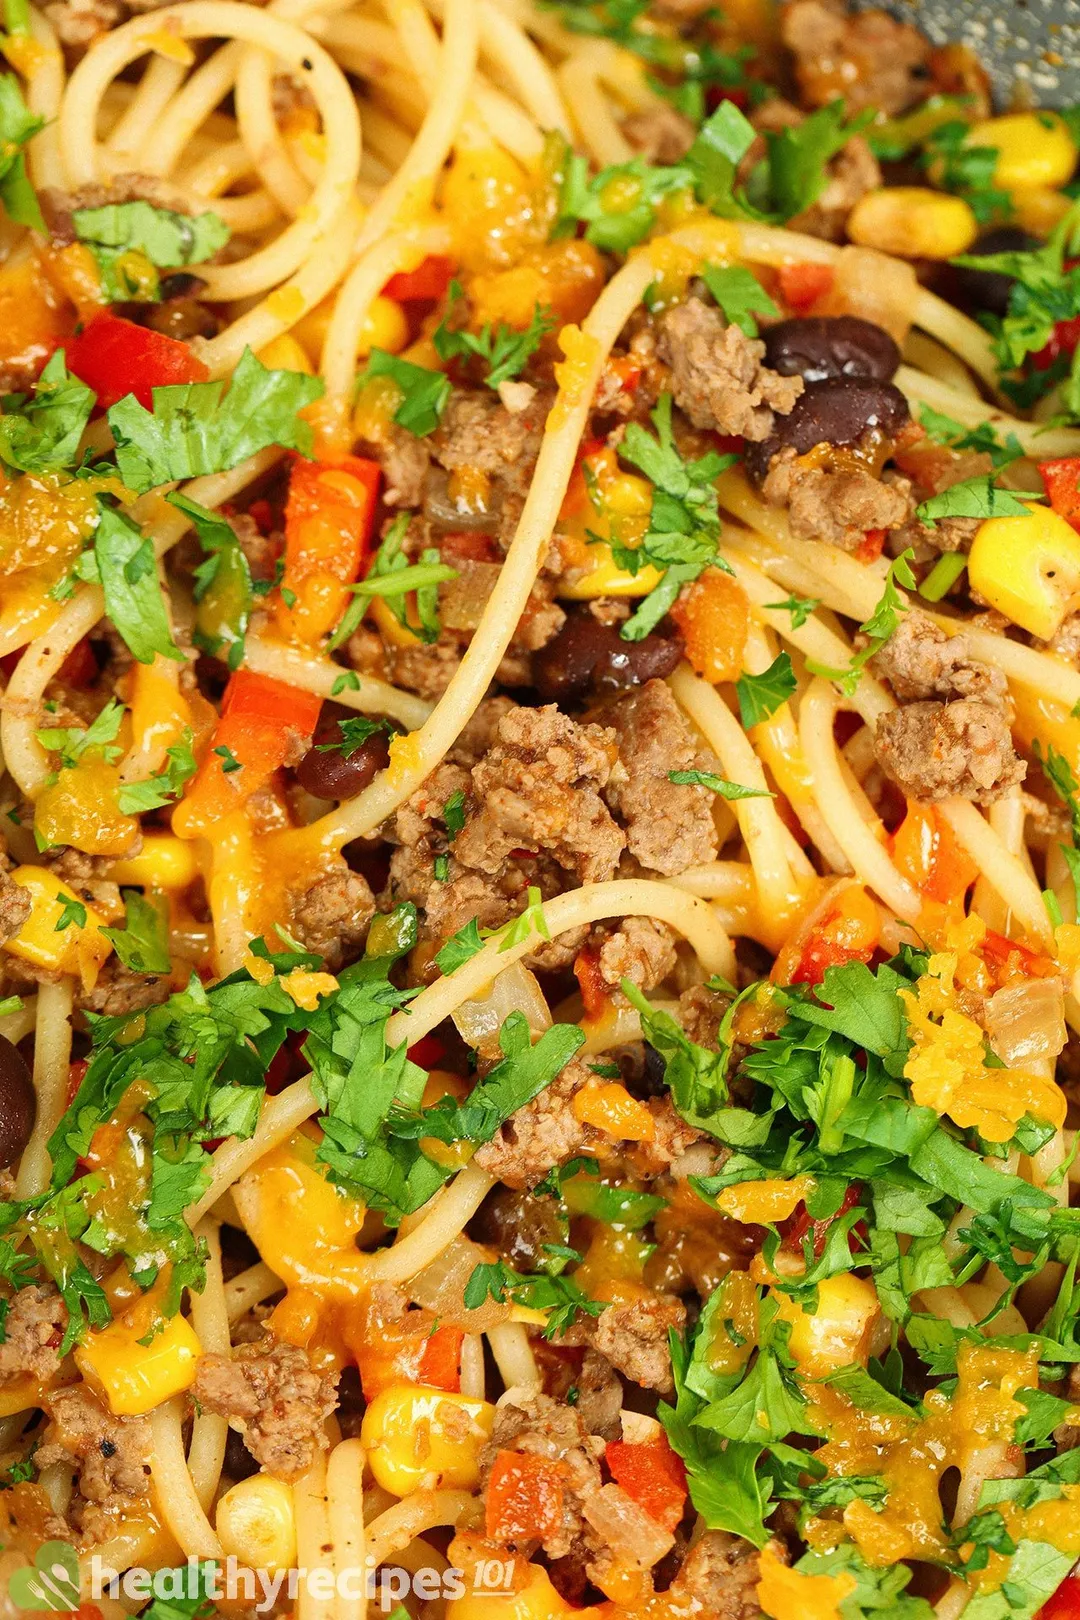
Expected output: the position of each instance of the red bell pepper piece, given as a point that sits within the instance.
(849, 933)
(524, 1497)
(429, 280)
(426, 1052)
(795, 1228)
(329, 520)
(802, 285)
(873, 544)
(115, 358)
(413, 1351)
(1009, 960)
(1063, 340)
(261, 720)
(926, 852)
(652, 1475)
(1065, 1603)
(595, 991)
(80, 667)
(1061, 480)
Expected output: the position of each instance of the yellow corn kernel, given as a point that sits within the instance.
(163, 862)
(838, 1331)
(913, 222)
(606, 578)
(423, 1439)
(80, 947)
(133, 1377)
(385, 327)
(284, 353)
(256, 1523)
(1033, 148)
(1039, 208)
(80, 808)
(1028, 568)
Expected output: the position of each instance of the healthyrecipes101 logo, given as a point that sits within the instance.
(50, 1582)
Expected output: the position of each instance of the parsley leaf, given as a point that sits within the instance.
(131, 240)
(460, 948)
(72, 742)
(192, 430)
(17, 125)
(40, 432)
(355, 730)
(71, 911)
(425, 394)
(878, 628)
(798, 607)
(966, 170)
(223, 587)
(393, 578)
(559, 1296)
(504, 349)
(793, 174)
(983, 437)
(718, 784)
(761, 695)
(739, 295)
(128, 571)
(143, 942)
(165, 786)
(977, 497)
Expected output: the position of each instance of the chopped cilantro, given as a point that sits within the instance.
(355, 731)
(17, 125)
(72, 742)
(878, 628)
(131, 241)
(559, 1296)
(165, 786)
(40, 432)
(347, 681)
(761, 695)
(393, 578)
(739, 295)
(717, 784)
(798, 607)
(143, 942)
(127, 568)
(72, 911)
(424, 393)
(229, 760)
(978, 497)
(503, 349)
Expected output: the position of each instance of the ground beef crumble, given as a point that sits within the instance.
(277, 1400)
(669, 826)
(33, 1331)
(865, 57)
(717, 377)
(111, 1454)
(837, 503)
(331, 915)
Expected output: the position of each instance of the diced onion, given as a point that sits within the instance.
(876, 288)
(513, 990)
(441, 1288)
(1026, 1022)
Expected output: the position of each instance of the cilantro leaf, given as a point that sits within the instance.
(131, 240)
(982, 438)
(143, 942)
(798, 607)
(560, 1296)
(637, 188)
(977, 497)
(355, 731)
(223, 587)
(761, 695)
(793, 174)
(41, 432)
(717, 784)
(128, 571)
(425, 394)
(392, 578)
(878, 628)
(460, 948)
(192, 430)
(504, 349)
(72, 742)
(739, 295)
(17, 126)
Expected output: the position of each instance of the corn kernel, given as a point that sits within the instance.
(1028, 568)
(606, 578)
(838, 1331)
(418, 1438)
(284, 353)
(913, 222)
(1039, 209)
(134, 1377)
(385, 327)
(1034, 148)
(256, 1523)
(163, 862)
(79, 947)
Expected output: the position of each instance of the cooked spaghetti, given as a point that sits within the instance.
(539, 815)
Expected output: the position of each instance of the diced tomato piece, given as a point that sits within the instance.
(80, 667)
(652, 1474)
(329, 520)
(1061, 480)
(261, 720)
(849, 933)
(795, 1228)
(926, 852)
(440, 1358)
(413, 1350)
(873, 543)
(524, 1497)
(802, 285)
(595, 992)
(1063, 340)
(115, 358)
(76, 1074)
(1010, 960)
(1065, 1603)
(426, 1052)
(429, 280)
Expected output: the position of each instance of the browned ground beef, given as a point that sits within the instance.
(719, 1577)
(717, 376)
(937, 751)
(33, 1329)
(111, 1454)
(277, 1400)
(669, 826)
(838, 504)
(14, 907)
(920, 661)
(331, 915)
(865, 57)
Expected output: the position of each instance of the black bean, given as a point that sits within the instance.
(239, 1463)
(334, 774)
(18, 1105)
(819, 347)
(837, 412)
(653, 1074)
(518, 1225)
(978, 290)
(587, 656)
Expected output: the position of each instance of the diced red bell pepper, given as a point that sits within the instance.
(595, 992)
(926, 852)
(652, 1475)
(1061, 480)
(795, 1228)
(803, 285)
(426, 1052)
(410, 1351)
(429, 280)
(115, 358)
(80, 667)
(467, 545)
(261, 722)
(1065, 1603)
(873, 544)
(329, 520)
(76, 1075)
(849, 933)
(1010, 960)
(1063, 340)
(524, 1497)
